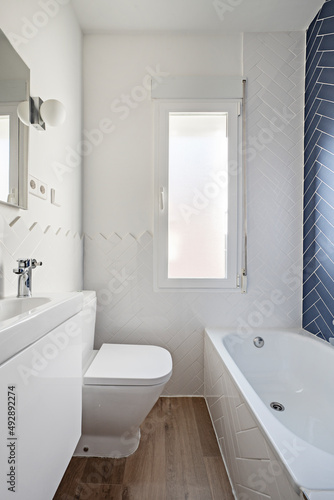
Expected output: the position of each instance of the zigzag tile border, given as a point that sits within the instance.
(60, 250)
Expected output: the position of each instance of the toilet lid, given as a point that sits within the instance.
(120, 364)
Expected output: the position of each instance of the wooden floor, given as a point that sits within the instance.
(177, 459)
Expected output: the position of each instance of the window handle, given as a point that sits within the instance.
(162, 198)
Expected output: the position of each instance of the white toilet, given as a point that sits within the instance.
(121, 383)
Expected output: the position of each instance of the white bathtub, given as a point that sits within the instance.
(283, 455)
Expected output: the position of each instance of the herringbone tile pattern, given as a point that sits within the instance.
(318, 291)
(120, 268)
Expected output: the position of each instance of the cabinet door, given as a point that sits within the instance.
(40, 413)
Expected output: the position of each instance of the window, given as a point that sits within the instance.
(198, 188)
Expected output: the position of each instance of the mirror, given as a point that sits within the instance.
(14, 88)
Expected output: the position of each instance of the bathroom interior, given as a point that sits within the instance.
(89, 215)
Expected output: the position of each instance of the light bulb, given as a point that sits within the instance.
(23, 112)
(53, 112)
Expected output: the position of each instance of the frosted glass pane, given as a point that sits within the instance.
(4, 157)
(197, 195)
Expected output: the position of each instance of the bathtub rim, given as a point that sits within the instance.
(302, 473)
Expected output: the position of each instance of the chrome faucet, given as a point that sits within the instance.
(24, 270)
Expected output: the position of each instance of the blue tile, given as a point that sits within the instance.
(327, 76)
(325, 262)
(310, 300)
(309, 224)
(327, 10)
(309, 283)
(310, 253)
(309, 207)
(309, 246)
(308, 230)
(310, 269)
(326, 108)
(312, 173)
(310, 236)
(326, 159)
(326, 210)
(313, 47)
(312, 129)
(310, 315)
(326, 60)
(312, 327)
(326, 296)
(326, 92)
(326, 142)
(313, 69)
(325, 279)
(326, 193)
(324, 313)
(328, 230)
(309, 162)
(312, 30)
(327, 26)
(315, 140)
(312, 94)
(327, 176)
(326, 253)
(327, 43)
(311, 112)
(314, 185)
(326, 125)
(324, 328)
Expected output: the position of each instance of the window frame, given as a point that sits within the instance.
(234, 252)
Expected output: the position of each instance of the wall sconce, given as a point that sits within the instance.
(38, 113)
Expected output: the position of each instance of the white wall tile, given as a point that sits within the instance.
(119, 264)
(53, 54)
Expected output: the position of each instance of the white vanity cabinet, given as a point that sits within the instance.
(40, 413)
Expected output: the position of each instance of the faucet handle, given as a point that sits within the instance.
(26, 264)
(22, 265)
(22, 262)
(34, 263)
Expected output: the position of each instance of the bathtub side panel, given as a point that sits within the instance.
(253, 470)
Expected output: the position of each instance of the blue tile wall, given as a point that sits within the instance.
(318, 272)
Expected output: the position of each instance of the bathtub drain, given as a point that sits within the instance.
(258, 342)
(277, 406)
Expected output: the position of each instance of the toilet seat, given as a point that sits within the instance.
(124, 364)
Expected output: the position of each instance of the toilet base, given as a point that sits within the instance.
(108, 446)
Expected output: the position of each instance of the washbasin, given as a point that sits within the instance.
(10, 308)
(25, 320)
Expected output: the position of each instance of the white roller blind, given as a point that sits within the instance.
(198, 87)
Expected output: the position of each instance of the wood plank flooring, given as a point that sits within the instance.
(178, 459)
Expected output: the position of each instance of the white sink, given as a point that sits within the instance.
(9, 308)
(25, 320)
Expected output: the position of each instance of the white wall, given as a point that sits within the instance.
(118, 190)
(47, 37)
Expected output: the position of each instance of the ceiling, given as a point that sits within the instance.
(222, 16)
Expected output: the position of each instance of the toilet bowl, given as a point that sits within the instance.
(121, 384)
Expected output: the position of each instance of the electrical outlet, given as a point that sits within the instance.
(42, 190)
(38, 188)
(33, 185)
